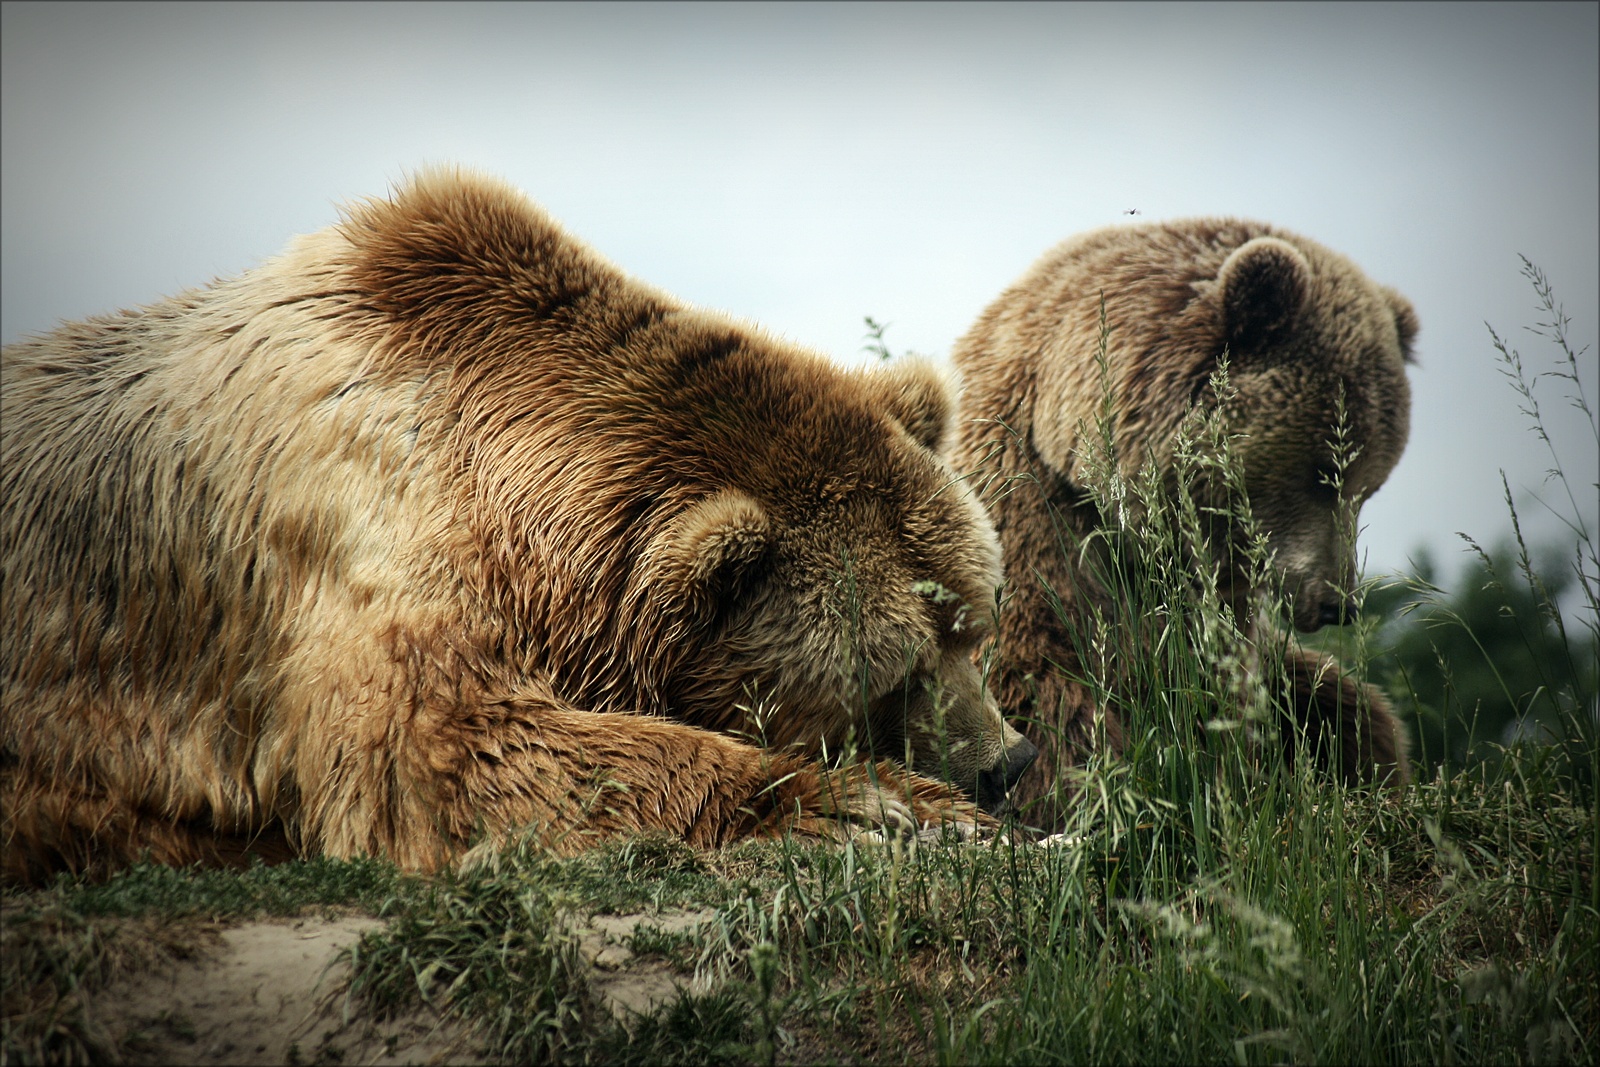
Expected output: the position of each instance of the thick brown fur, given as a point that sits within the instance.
(439, 528)
(1299, 326)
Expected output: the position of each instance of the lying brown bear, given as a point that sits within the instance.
(439, 528)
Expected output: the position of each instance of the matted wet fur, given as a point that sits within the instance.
(439, 528)
(1310, 342)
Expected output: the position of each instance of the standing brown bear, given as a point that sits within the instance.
(439, 528)
(1114, 336)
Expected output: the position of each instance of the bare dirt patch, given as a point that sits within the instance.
(625, 983)
(275, 992)
(271, 993)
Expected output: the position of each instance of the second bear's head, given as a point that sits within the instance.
(1312, 401)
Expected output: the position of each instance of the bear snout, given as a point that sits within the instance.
(1332, 610)
(995, 783)
(1337, 613)
(1019, 759)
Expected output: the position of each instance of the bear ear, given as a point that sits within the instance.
(714, 550)
(1263, 286)
(919, 397)
(1405, 323)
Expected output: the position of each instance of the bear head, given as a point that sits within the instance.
(834, 588)
(732, 531)
(1316, 404)
(1319, 406)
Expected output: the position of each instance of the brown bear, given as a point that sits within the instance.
(439, 528)
(1111, 341)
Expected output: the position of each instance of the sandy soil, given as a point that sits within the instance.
(269, 993)
(624, 983)
(273, 992)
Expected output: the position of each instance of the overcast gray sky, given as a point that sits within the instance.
(803, 166)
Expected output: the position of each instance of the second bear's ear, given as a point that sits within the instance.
(1405, 323)
(1263, 285)
(714, 550)
(917, 396)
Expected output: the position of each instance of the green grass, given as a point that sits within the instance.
(1217, 905)
(1454, 923)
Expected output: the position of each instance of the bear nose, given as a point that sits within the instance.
(1019, 759)
(1336, 613)
(996, 782)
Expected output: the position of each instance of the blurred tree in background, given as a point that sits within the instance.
(1493, 664)
(1512, 656)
